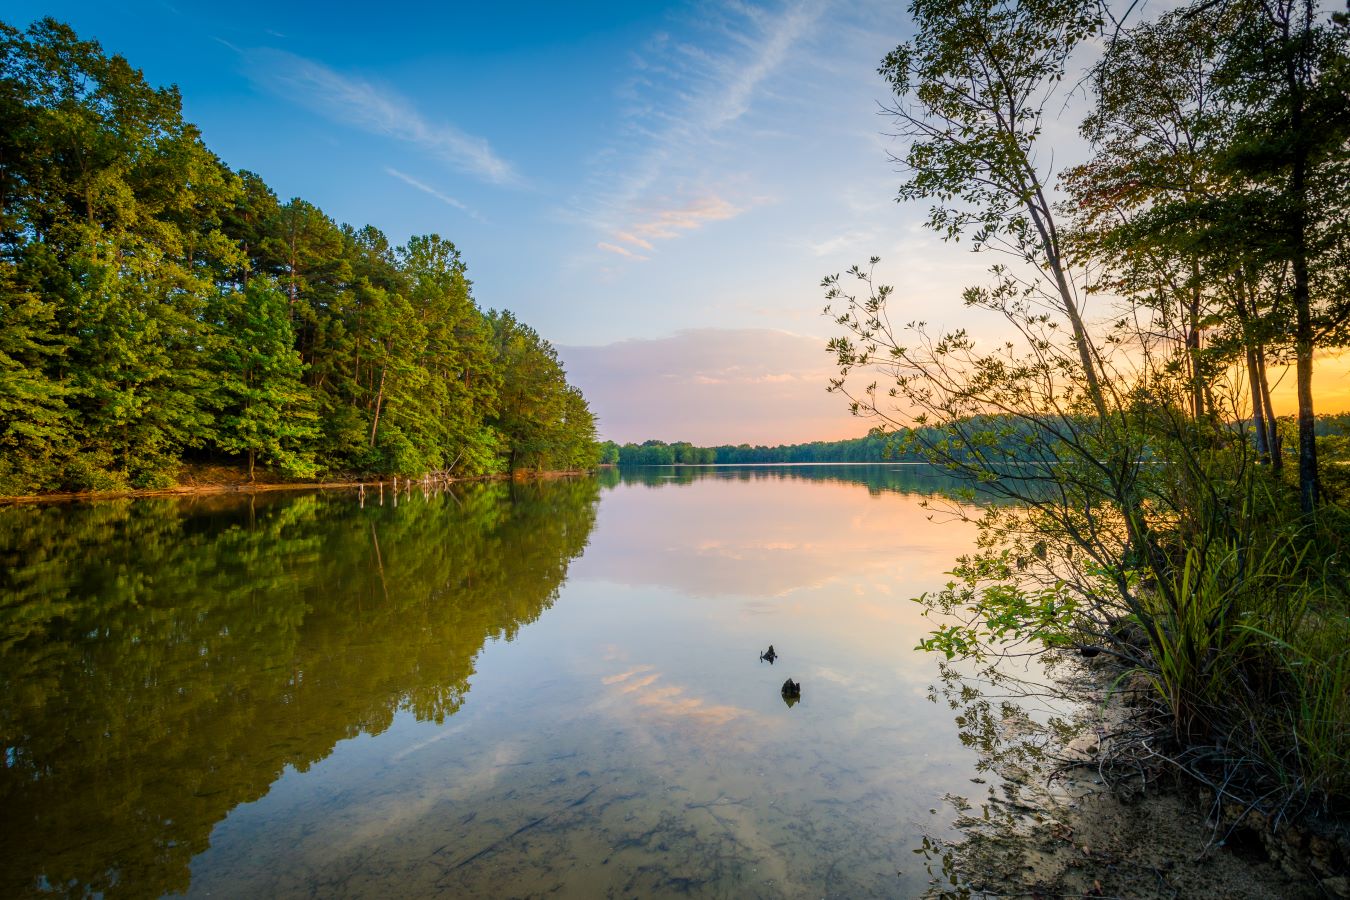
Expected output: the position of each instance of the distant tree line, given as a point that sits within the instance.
(872, 448)
(158, 307)
(905, 445)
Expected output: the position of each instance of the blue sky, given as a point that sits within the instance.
(657, 188)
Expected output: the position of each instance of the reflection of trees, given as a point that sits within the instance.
(881, 478)
(162, 661)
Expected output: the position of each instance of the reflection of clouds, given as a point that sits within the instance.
(637, 684)
(671, 701)
(624, 676)
(370, 820)
(637, 688)
(829, 674)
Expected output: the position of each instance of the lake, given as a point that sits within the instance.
(504, 689)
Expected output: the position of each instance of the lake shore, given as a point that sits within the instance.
(223, 480)
(1089, 816)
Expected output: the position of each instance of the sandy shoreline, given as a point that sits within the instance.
(1067, 820)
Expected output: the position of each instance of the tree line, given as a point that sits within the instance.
(881, 446)
(158, 307)
(876, 447)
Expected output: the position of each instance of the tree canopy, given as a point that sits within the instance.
(158, 307)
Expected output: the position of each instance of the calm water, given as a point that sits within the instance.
(508, 690)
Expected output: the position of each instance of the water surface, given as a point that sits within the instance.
(505, 690)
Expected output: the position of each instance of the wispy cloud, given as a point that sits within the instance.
(848, 240)
(664, 224)
(779, 30)
(621, 251)
(685, 102)
(431, 191)
(668, 223)
(360, 104)
(628, 238)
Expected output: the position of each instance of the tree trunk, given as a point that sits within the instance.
(1193, 344)
(1258, 408)
(1272, 424)
(252, 454)
(379, 399)
(1308, 487)
(1255, 371)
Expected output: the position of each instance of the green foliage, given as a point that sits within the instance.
(35, 422)
(1146, 516)
(995, 607)
(265, 409)
(876, 447)
(545, 421)
(977, 73)
(154, 304)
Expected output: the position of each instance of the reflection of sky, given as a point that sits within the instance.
(631, 740)
(756, 539)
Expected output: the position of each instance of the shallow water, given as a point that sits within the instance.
(508, 690)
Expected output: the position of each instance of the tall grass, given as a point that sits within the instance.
(1249, 651)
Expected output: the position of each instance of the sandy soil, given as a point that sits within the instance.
(1095, 845)
(1048, 824)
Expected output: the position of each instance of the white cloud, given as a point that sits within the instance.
(621, 251)
(360, 104)
(428, 189)
(633, 239)
(852, 239)
(780, 30)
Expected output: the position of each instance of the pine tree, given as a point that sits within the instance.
(266, 411)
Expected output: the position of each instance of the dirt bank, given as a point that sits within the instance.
(1052, 820)
(227, 480)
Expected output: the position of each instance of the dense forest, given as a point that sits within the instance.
(158, 308)
(1158, 515)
